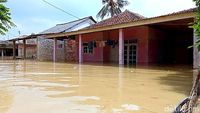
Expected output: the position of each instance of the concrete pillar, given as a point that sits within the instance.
(14, 49)
(24, 48)
(196, 54)
(121, 47)
(65, 50)
(80, 49)
(2, 55)
(38, 50)
(55, 50)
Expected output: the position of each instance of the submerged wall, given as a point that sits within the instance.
(111, 54)
(45, 50)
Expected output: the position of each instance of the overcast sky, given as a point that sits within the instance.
(34, 16)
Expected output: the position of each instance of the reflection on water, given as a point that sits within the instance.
(5, 100)
(44, 87)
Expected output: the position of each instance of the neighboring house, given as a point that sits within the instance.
(6, 50)
(66, 48)
(31, 48)
(130, 39)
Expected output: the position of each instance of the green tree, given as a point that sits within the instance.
(5, 19)
(111, 8)
(196, 84)
(196, 25)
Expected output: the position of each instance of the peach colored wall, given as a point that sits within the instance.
(156, 38)
(106, 54)
(141, 35)
(97, 55)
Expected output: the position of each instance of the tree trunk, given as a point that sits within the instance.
(111, 3)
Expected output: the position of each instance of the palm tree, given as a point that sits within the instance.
(112, 8)
(5, 19)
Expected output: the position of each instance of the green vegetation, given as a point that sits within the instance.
(196, 25)
(5, 19)
(111, 8)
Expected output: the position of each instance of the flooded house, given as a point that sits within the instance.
(132, 39)
(126, 39)
(23, 49)
(6, 50)
(65, 47)
(36, 46)
(30, 51)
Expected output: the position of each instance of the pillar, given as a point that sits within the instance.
(196, 54)
(14, 49)
(38, 50)
(121, 47)
(65, 58)
(54, 50)
(24, 48)
(80, 49)
(2, 55)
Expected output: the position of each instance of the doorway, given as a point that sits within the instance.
(130, 52)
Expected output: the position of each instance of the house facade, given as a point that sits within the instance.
(65, 47)
(30, 51)
(131, 39)
(6, 50)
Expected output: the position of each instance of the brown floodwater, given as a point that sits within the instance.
(45, 87)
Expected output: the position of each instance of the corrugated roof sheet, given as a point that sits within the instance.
(66, 27)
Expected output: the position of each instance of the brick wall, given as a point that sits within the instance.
(45, 50)
(70, 50)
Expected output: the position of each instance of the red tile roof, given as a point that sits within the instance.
(176, 13)
(126, 16)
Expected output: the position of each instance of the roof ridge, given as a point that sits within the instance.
(122, 14)
(137, 14)
(77, 24)
(125, 16)
(75, 20)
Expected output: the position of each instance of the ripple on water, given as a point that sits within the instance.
(130, 107)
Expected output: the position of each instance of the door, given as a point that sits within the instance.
(130, 53)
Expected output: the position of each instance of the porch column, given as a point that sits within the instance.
(80, 50)
(2, 55)
(38, 50)
(14, 49)
(196, 54)
(54, 50)
(121, 47)
(24, 48)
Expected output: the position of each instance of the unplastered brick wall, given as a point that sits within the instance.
(45, 50)
(70, 50)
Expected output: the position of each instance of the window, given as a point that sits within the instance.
(60, 46)
(87, 49)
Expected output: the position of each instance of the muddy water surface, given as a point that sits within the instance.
(45, 87)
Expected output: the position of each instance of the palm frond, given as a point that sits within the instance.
(105, 1)
(5, 19)
(3, 1)
(122, 3)
(111, 8)
(103, 12)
